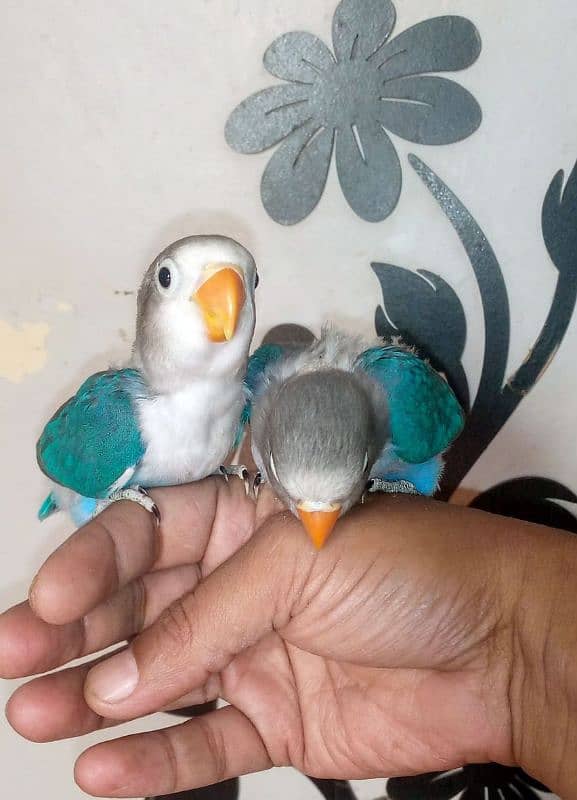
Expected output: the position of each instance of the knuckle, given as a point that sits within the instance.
(139, 602)
(171, 760)
(103, 532)
(176, 627)
(216, 750)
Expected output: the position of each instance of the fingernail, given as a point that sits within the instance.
(115, 679)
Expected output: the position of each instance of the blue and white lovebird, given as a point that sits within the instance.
(334, 419)
(173, 415)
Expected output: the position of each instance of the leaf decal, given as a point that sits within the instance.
(333, 789)
(531, 499)
(559, 228)
(227, 790)
(472, 782)
(559, 222)
(498, 398)
(427, 313)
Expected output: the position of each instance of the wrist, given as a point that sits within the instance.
(543, 678)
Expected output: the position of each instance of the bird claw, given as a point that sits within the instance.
(237, 471)
(256, 484)
(135, 494)
(380, 486)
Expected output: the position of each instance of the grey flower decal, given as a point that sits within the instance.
(348, 99)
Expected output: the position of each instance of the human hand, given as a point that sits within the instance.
(404, 646)
(108, 581)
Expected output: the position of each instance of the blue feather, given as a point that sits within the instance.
(425, 416)
(425, 477)
(258, 363)
(94, 437)
(82, 510)
(48, 507)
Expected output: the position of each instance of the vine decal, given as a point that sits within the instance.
(432, 318)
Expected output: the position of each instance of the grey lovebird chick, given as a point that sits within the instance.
(328, 418)
(173, 414)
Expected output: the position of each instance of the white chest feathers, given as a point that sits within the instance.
(190, 433)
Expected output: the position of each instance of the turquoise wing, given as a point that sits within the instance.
(265, 355)
(425, 415)
(94, 437)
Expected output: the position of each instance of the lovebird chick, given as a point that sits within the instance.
(173, 414)
(334, 418)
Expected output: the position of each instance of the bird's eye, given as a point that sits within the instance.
(256, 280)
(167, 277)
(164, 277)
(366, 462)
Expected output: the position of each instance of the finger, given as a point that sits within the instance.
(268, 505)
(232, 528)
(136, 606)
(123, 543)
(244, 599)
(53, 707)
(203, 751)
(30, 645)
(106, 554)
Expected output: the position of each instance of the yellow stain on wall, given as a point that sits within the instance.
(22, 349)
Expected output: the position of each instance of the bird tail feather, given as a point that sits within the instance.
(48, 507)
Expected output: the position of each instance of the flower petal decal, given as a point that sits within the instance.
(441, 44)
(348, 100)
(295, 177)
(361, 27)
(369, 170)
(429, 110)
(267, 117)
(298, 57)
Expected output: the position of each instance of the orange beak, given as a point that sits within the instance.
(318, 521)
(221, 298)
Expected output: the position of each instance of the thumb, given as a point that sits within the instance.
(199, 635)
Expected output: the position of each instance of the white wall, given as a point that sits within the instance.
(112, 146)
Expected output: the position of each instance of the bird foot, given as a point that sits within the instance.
(237, 471)
(135, 494)
(257, 482)
(379, 486)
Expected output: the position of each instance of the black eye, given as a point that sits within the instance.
(256, 280)
(164, 277)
